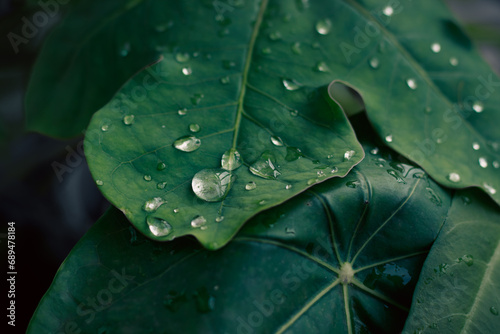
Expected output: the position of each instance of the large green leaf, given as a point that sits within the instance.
(223, 88)
(459, 288)
(343, 257)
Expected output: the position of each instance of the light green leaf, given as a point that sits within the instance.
(459, 288)
(343, 257)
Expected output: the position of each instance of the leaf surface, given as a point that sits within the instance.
(287, 270)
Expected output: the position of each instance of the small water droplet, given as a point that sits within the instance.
(99, 182)
(324, 26)
(291, 84)
(292, 153)
(187, 144)
(322, 67)
(348, 155)
(182, 112)
(352, 184)
(454, 177)
(493, 310)
(275, 35)
(177, 210)
(125, 50)
(395, 175)
(250, 185)
(161, 166)
(428, 109)
(288, 187)
(153, 204)
(158, 226)
(187, 70)
(296, 48)
(483, 162)
(320, 173)
(198, 222)
(316, 45)
(411, 83)
(388, 11)
(182, 57)
(289, 230)
(225, 80)
(147, 177)
(374, 62)
(105, 127)
(196, 98)
(266, 51)
(476, 146)
(294, 113)
(478, 106)
(334, 170)
(453, 61)
(228, 64)
(374, 151)
(212, 185)
(495, 164)
(436, 47)
(467, 259)
(262, 202)
(388, 138)
(219, 219)
(204, 301)
(193, 127)
(161, 185)
(489, 188)
(330, 156)
(128, 119)
(276, 141)
(265, 166)
(231, 159)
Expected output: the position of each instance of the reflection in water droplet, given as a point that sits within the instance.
(147, 177)
(374, 62)
(483, 162)
(198, 221)
(436, 47)
(388, 11)
(158, 226)
(250, 185)
(182, 57)
(476, 146)
(211, 185)
(187, 144)
(225, 80)
(348, 155)
(493, 310)
(388, 138)
(194, 127)
(467, 259)
(322, 67)
(182, 112)
(411, 83)
(454, 177)
(324, 26)
(231, 159)
(161, 166)
(265, 166)
(276, 141)
(489, 188)
(161, 185)
(99, 182)
(296, 48)
(291, 84)
(128, 119)
(219, 219)
(478, 106)
(204, 301)
(187, 70)
(374, 151)
(453, 61)
(153, 204)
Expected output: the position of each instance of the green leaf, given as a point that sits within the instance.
(342, 257)
(213, 96)
(459, 290)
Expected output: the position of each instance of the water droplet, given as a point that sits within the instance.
(334, 170)
(453, 61)
(296, 48)
(294, 113)
(275, 35)
(322, 67)
(292, 153)
(198, 221)
(266, 51)
(454, 177)
(483, 162)
(125, 50)
(476, 146)
(250, 185)
(219, 219)
(411, 83)
(182, 57)
(291, 84)
(174, 300)
(187, 144)
(147, 177)
(428, 109)
(204, 301)
(105, 127)
(176, 210)
(289, 230)
(161, 185)
(161, 166)
(388, 11)
(99, 182)
(225, 80)
(196, 98)
(493, 310)
(311, 181)
(374, 151)
(153, 204)
(228, 64)
(265, 166)
(288, 187)
(467, 259)
(395, 175)
(433, 196)
(187, 70)
(388, 138)
(262, 202)
(489, 188)
(211, 185)
(276, 141)
(193, 127)
(128, 119)
(182, 112)
(436, 47)
(231, 159)
(320, 173)
(352, 184)
(495, 164)
(324, 26)
(374, 62)
(478, 106)
(348, 155)
(158, 226)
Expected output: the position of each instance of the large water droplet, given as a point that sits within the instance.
(265, 166)
(436, 47)
(250, 185)
(198, 222)
(276, 141)
(153, 204)
(194, 127)
(478, 106)
(211, 185)
(388, 138)
(291, 84)
(231, 159)
(489, 188)
(324, 26)
(388, 11)
(483, 162)
(158, 226)
(128, 119)
(348, 155)
(454, 177)
(412, 83)
(476, 146)
(374, 62)
(187, 144)
(296, 48)
(322, 67)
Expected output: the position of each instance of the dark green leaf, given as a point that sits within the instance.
(285, 272)
(459, 288)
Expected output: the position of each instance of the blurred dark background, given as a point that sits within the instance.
(51, 212)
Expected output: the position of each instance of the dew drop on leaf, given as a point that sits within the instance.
(454, 177)
(478, 106)
(453, 61)
(128, 119)
(161, 185)
(182, 112)
(323, 26)
(291, 84)
(294, 113)
(467, 259)
(265, 166)
(250, 185)
(436, 47)
(322, 67)
(288, 187)
(125, 50)
(219, 219)
(266, 51)
(194, 127)
(204, 301)
(374, 63)
(147, 177)
(187, 144)
(231, 159)
(196, 99)
(182, 57)
(349, 154)
(99, 182)
(292, 153)
(187, 70)
(296, 48)
(177, 210)
(211, 185)
(388, 138)
(158, 226)
(105, 127)
(153, 204)
(493, 310)
(225, 80)
(388, 11)
(483, 162)
(476, 146)
(495, 164)
(161, 166)
(198, 222)
(411, 83)
(374, 150)
(276, 141)
(275, 36)
(489, 188)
